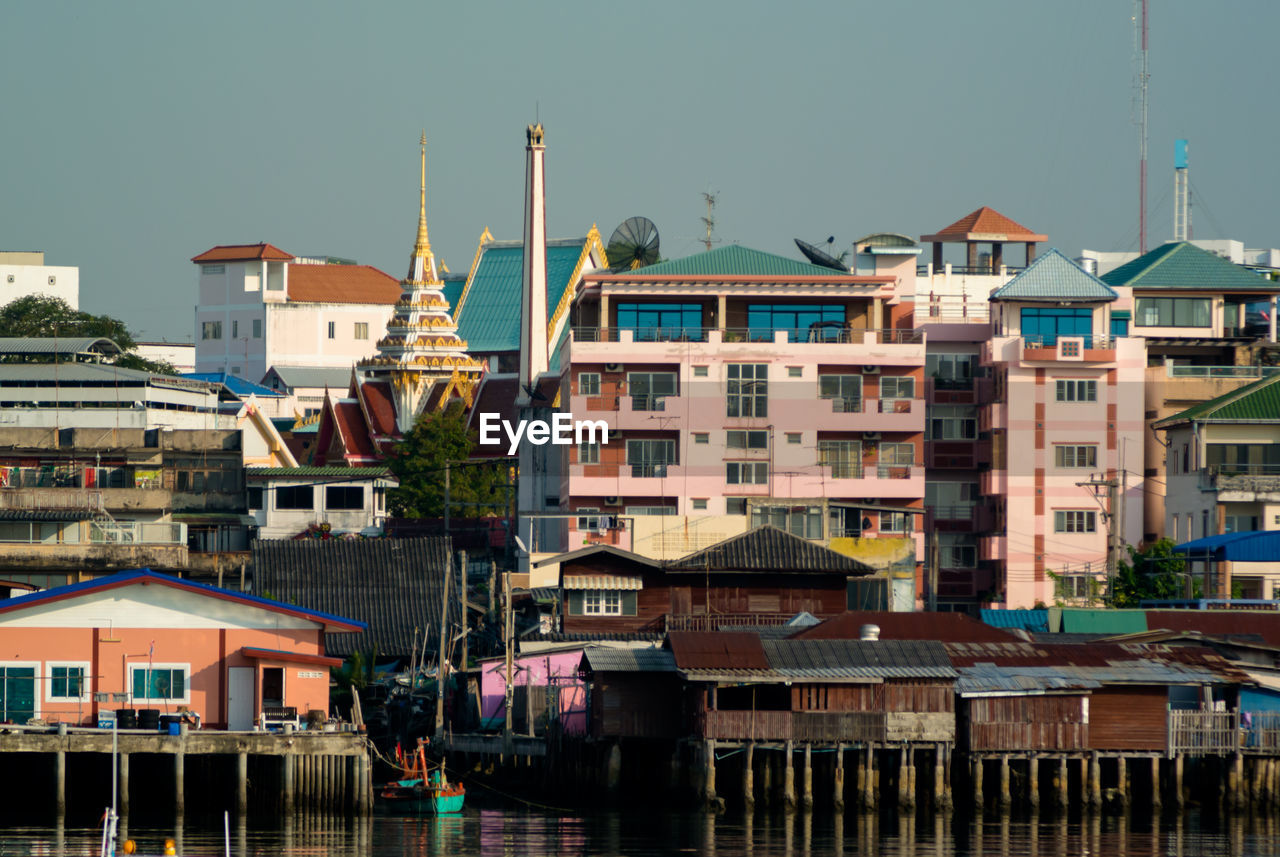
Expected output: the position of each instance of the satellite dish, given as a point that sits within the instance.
(633, 245)
(818, 257)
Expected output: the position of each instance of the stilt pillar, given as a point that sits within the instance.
(613, 768)
(977, 784)
(1033, 780)
(766, 780)
(1122, 778)
(60, 773)
(1004, 781)
(290, 768)
(1156, 798)
(123, 762)
(1235, 781)
(748, 777)
(1063, 781)
(941, 789)
(180, 780)
(1178, 799)
(837, 784)
(806, 779)
(242, 782)
(709, 798)
(789, 779)
(906, 796)
(1095, 781)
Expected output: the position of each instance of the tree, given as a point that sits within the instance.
(475, 488)
(42, 316)
(1155, 572)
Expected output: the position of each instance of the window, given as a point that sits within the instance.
(66, 682)
(699, 371)
(1173, 312)
(952, 422)
(802, 521)
(898, 388)
(211, 330)
(699, 504)
(650, 510)
(17, 693)
(953, 370)
(649, 458)
(1048, 323)
(235, 328)
(1075, 456)
(845, 392)
(844, 457)
(602, 602)
(794, 437)
(747, 439)
(589, 384)
(649, 389)
(795, 371)
(1119, 325)
(661, 322)
(951, 500)
(333, 330)
(361, 330)
(588, 453)
(236, 370)
(895, 522)
(701, 437)
(213, 269)
(748, 389)
(255, 499)
(1255, 458)
(1239, 523)
(896, 456)
(159, 682)
(1075, 521)
(956, 550)
(802, 322)
(1077, 390)
(295, 497)
(746, 472)
(588, 522)
(735, 505)
(1074, 587)
(344, 497)
(257, 328)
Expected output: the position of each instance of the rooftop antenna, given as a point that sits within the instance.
(709, 221)
(1140, 21)
(1181, 192)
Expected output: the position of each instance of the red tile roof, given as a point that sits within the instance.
(242, 253)
(709, 650)
(379, 408)
(342, 284)
(1219, 623)
(985, 224)
(947, 627)
(353, 430)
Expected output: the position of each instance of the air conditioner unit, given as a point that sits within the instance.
(613, 367)
(871, 435)
(870, 370)
(613, 501)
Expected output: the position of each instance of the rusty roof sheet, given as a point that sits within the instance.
(1109, 663)
(988, 679)
(834, 660)
(947, 627)
(717, 650)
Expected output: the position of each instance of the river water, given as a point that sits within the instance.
(642, 834)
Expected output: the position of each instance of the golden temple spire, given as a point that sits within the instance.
(422, 267)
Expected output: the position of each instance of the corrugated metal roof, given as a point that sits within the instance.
(612, 659)
(71, 374)
(489, 319)
(1027, 620)
(733, 260)
(394, 585)
(770, 549)
(235, 384)
(717, 650)
(845, 659)
(988, 678)
(1222, 623)
(947, 627)
(58, 345)
(1054, 277)
(1083, 621)
(312, 472)
(1105, 662)
(336, 378)
(1184, 266)
(1259, 400)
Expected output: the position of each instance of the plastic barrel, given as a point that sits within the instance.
(149, 718)
(126, 718)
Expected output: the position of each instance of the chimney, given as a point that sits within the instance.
(869, 632)
(533, 302)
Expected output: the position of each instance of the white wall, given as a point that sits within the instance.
(19, 281)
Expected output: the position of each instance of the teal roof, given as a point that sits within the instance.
(1256, 402)
(734, 261)
(1181, 265)
(1034, 620)
(489, 321)
(1085, 621)
(1054, 277)
(453, 284)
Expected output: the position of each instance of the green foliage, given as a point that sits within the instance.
(419, 463)
(355, 673)
(1155, 572)
(41, 316)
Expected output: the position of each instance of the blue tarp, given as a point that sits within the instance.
(1248, 546)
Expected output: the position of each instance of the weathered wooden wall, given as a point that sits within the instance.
(1128, 718)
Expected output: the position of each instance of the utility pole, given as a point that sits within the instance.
(1110, 509)
(934, 555)
(462, 606)
(447, 465)
(507, 634)
(444, 645)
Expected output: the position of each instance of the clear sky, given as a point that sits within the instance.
(137, 135)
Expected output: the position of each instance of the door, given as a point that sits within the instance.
(273, 687)
(17, 694)
(240, 698)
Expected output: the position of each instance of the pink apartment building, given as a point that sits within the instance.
(742, 388)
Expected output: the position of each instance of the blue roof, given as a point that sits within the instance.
(235, 384)
(1036, 621)
(1054, 277)
(1249, 546)
(489, 320)
(122, 578)
(453, 285)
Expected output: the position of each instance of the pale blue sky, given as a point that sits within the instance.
(140, 134)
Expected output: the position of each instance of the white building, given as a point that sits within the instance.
(258, 307)
(1099, 262)
(24, 273)
(330, 501)
(180, 355)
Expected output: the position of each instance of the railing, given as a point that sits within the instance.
(52, 499)
(894, 406)
(893, 471)
(1213, 471)
(816, 726)
(957, 512)
(1203, 733)
(137, 532)
(845, 405)
(1261, 731)
(716, 621)
(845, 469)
(816, 335)
(983, 270)
(649, 471)
(645, 402)
(1087, 341)
(1175, 371)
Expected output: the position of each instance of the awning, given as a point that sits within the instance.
(214, 518)
(290, 657)
(1248, 546)
(602, 581)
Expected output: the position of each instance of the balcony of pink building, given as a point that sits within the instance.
(817, 335)
(898, 481)
(993, 548)
(961, 518)
(993, 483)
(1068, 349)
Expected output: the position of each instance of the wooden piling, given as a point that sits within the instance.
(860, 760)
(1235, 781)
(766, 780)
(123, 799)
(806, 779)
(837, 785)
(911, 776)
(709, 773)
(1033, 780)
(869, 792)
(1156, 798)
(789, 779)
(180, 779)
(977, 784)
(941, 789)
(1095, 781)
(1256, 789)
(906, 798)
(363, 786)
(1122, 788)
(1178, 799)
(1004, 781)
(1063, 783)
(1084, 781)
(613, 768)
(748, 776)
(290, 764)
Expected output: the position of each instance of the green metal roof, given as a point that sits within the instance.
(1054, 277)
(1103, 621)
(452, 290)
(308, 472)
(1259, 401)
(733, 261)
(1182, 265)
(490, 319)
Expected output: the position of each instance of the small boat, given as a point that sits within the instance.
(421, 789)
